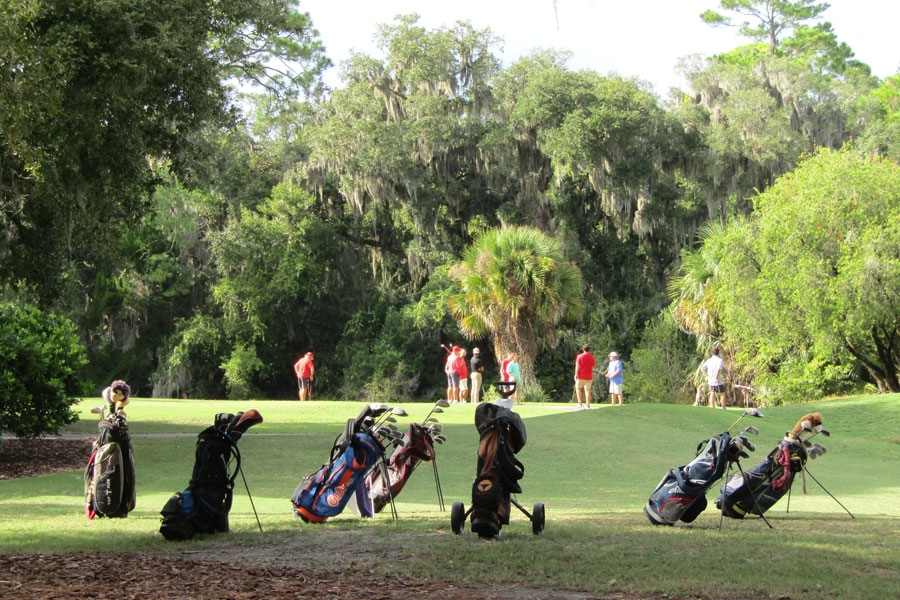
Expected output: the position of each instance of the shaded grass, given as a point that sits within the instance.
(593, 469)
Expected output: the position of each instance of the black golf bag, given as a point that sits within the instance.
(204, 506)
(681, 495)
(417, 446)
(109, 475)
(498, 471)
(765, 484)
(326, 492)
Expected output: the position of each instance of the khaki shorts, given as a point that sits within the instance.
(615, 388)
(583, 384)
(462, 384)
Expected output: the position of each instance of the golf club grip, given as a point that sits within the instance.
(248, 420)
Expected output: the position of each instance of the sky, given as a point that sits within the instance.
(633, 38)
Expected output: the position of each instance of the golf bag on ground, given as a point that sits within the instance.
(326, 492)
(498, 472)
(765, 484)
(109, 489)
(681, 495)
(416, 446)
(204, 506)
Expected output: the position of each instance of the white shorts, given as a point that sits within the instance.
(463, 384)
(615, 388)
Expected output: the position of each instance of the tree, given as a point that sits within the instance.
(89, 91)
(768, 19)
(825, 261)
(39, 360)
(515, 287)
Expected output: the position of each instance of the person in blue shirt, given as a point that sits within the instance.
(614, 374)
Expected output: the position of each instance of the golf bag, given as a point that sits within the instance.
(766, 483)
(417, 446)
(681, 495)
(326, 492)
(204, 506)
(109, 475)
(499, 471)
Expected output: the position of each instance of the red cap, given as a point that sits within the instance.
(309, 354)
(456, 348)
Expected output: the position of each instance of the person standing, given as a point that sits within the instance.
(512, 369)
(584, 375)
(452, 375)
(463, 371)
(305, 370)
(614, 374)
(713, 368)
(476, 366)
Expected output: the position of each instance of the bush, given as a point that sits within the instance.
(39, 359)
(663, 364)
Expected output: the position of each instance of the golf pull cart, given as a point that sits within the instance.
(498, 472)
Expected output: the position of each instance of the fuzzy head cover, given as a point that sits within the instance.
(810, 421)
(117, 395)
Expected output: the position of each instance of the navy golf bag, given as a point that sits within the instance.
(109, 489)
(204, 506)
(326, 492)
(681, 495)
(416, 446)
(756, 490)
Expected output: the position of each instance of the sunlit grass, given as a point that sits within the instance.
(593, 469)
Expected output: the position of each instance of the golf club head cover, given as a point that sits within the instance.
(811, 420)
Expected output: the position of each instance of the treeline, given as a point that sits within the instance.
(200, 250)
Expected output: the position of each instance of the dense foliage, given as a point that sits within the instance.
(39, 361)
(202, 240)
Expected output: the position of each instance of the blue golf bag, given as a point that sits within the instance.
(326, 492)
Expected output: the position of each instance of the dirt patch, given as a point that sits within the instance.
(30, 458)
(151, 577)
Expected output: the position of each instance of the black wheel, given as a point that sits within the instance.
(537, 518)
(457, 517)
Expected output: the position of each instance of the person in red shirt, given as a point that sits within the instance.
(463, 371)
(450, 369)
(584, 375)
(305, 370)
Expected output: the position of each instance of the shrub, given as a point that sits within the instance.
(662, 365)
(39, 359)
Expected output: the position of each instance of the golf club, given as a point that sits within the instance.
(751, 412)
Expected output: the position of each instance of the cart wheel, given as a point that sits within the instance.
(537, 518)
(457, 517)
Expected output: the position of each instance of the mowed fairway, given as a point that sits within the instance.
(593, 470)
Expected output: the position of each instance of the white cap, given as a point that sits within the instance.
(476, 351)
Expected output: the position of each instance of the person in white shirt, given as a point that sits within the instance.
(713, 368)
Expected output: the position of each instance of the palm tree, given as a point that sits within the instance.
(516, 286)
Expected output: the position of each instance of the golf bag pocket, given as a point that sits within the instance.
(176, 523)
(109, 476)
(326, 492)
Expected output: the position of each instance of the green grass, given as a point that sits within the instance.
(593, 469)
